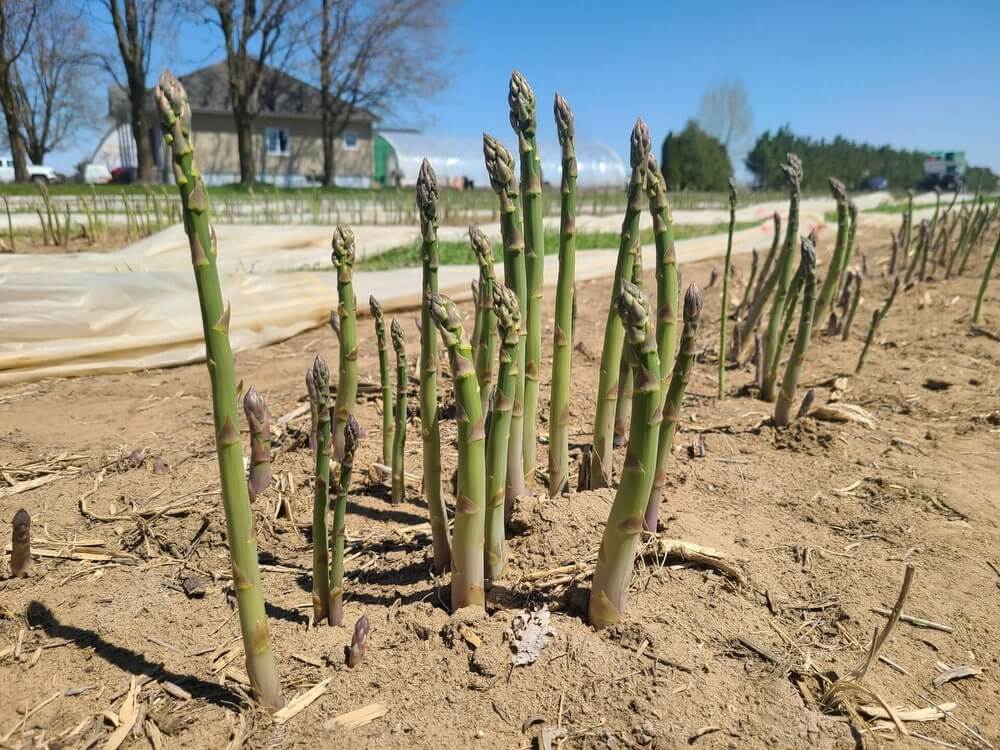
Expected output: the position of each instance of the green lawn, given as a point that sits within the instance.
(457, 253)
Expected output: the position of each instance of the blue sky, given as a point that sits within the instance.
(912, 73)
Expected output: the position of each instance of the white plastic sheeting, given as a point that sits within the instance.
(598, 165)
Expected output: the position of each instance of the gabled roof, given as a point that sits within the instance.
(280, 94)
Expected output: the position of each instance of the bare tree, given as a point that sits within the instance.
(17, 17)
(134, 23)
(724, 112)
(251, 30)
(371, 53)
(52, 82)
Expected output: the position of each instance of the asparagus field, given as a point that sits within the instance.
(439, 543)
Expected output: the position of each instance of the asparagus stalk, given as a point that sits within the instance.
(259, 421)
(915, 261)
(430, 431)
(784, 268)
(724, 322)
(667, 281)
(623, 402)
(877, 317)
(500, 167)
(852, 232)
(467, 564)
(987, 272)
(399, 432)
(175, 116)
(786, 395)
(388, 422)
(355, 653)
(485, 348)
(840, 254)
(521, 99)
(745, 299)
(894, 238)
(321, 494)
(562, 327)
(602, 453)
(849, 320)
(347, 376)
(621, 533)
(908, 236)
(20, 545)
(766, 280)
(508, 316)
(313, 410)
(672, 403)
(351, 432)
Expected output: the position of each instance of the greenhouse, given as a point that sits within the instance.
(458, 161)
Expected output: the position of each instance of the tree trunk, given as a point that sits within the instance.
(140, 132)
(329, 161)
(12, 114)
(244, 141)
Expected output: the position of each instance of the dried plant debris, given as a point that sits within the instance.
(529, 633)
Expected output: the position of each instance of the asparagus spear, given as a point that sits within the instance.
(852, 233)
(987, 272)
(508, 316)
(672, 403)
(259, 421)
(355, 653)
(784, 268)
(602, 454)
(877, 317)
(347, 377)
(485, 348)
(399, 433)
(388, 422)
(562, 327)
(621, 533)
(623, 402)
(840, 253)
(745, 300)
(724, 322)
(430, 431)
(909, 227)
(351, 431)
(853, 308)
(766, 280)
(20, 545)
(667, 281)
(321, 494)
(175, 116)
(786, 395)
(500, 167)
(467, 562)
(313, 409)
(521, 99)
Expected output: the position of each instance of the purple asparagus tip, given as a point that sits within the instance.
(355, 653)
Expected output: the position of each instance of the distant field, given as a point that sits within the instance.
(457, 253)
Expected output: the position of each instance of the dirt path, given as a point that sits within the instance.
(820, 518)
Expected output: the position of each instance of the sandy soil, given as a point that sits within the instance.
(819, 518)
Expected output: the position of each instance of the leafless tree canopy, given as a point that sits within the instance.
(724, 112)
(17, 21)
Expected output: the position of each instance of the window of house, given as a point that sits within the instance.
(277, 141)
(350, 140)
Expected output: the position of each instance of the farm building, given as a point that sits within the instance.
(458, 161)
(287, 141)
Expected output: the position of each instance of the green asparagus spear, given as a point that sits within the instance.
(745, 300)
(672, 403)
(347, 375)
(849, 319)
(908, 236)
(351, 432)
(500, 167)
(388, 422)
(509, 321)
(987, 272)
(430, 431)
(623, 402)
(786, 395)
(877, 317)
(522, 119)
(666, 271)
(259, 421)
(828, 292)
(313, 409)
(766, 280)
(602, 454)
(562, 328)
(175, 116)
(399, 432)
(321, 494)
(486, 347)
(468, 545)
(724, 323)
(621, 533)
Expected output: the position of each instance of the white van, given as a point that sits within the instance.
(39, 173)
